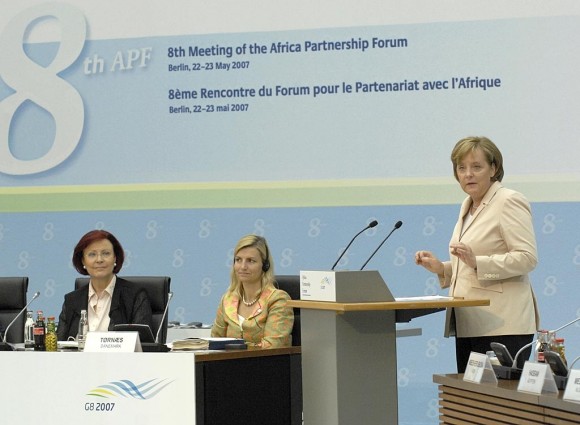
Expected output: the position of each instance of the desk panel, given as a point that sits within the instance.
(97, 388)
(203, 388)
(470, 403)
(249, 386)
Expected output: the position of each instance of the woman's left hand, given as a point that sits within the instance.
(464, 253)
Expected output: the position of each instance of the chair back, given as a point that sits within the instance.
(157, 288)
(12, 301)
(291, 284)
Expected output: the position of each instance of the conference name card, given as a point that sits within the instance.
(572, 392)
(479, 369)
(537, 378)
(113, 342)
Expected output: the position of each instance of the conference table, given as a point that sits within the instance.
(201, 387)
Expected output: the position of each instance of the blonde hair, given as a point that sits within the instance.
(258, 242)
(489, 149)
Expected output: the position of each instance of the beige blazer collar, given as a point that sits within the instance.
(487, 199)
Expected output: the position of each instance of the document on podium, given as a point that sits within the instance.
(424, 298)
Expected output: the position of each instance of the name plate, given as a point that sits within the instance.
(479, 369)
(113, 342)
(318, 285)
(537, 378)
(572, 392)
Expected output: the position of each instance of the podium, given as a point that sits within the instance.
(349, 348)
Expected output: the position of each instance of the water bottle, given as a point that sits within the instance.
(29, 332)
(83, 330)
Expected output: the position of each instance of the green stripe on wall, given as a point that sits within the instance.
(288, 194)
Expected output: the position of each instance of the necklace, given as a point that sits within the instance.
(251, 303)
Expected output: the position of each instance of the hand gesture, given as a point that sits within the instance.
(429, 261)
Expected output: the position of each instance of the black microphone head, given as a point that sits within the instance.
(373, 224)
(398, 224)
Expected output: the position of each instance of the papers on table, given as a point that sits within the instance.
(189, 344)
(214, 343)
(67, 345)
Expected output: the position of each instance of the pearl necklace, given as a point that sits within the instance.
(251, 303)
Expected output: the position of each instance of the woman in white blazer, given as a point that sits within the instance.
(492, 250)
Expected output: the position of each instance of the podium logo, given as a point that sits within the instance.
(128, 389)
(325, 282)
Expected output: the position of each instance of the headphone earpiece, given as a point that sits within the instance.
(266, 265)
(266, 261)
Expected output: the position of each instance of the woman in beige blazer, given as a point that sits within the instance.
(492, 250)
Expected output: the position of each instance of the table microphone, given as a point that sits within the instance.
(370, 225)
(4, 346)
(566, 325)
(572, 364)
(170, 295)
(397, 225)
(529, 344)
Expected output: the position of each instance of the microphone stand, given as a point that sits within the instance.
(514, 364)
(369, 226)
(572, 364)
(397, 225)
(170, 295)
(535, 340)
(513, 372)
(5, 346)
(566, 325)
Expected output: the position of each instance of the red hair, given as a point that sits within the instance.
(94, 236)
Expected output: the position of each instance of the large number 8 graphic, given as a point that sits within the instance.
(41, 85)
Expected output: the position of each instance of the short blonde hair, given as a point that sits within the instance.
(490, 150)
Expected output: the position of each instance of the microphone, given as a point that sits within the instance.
(520, 351)
(163, 317)
(512, 371)
(370, 225)
(573, 363)
(397, 225)
(535, 339)
(4, 346)
(566, 325)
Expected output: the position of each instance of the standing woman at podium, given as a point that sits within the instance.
(492, 250)
(253, 308)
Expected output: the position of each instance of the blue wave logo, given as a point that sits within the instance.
(128, 389)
